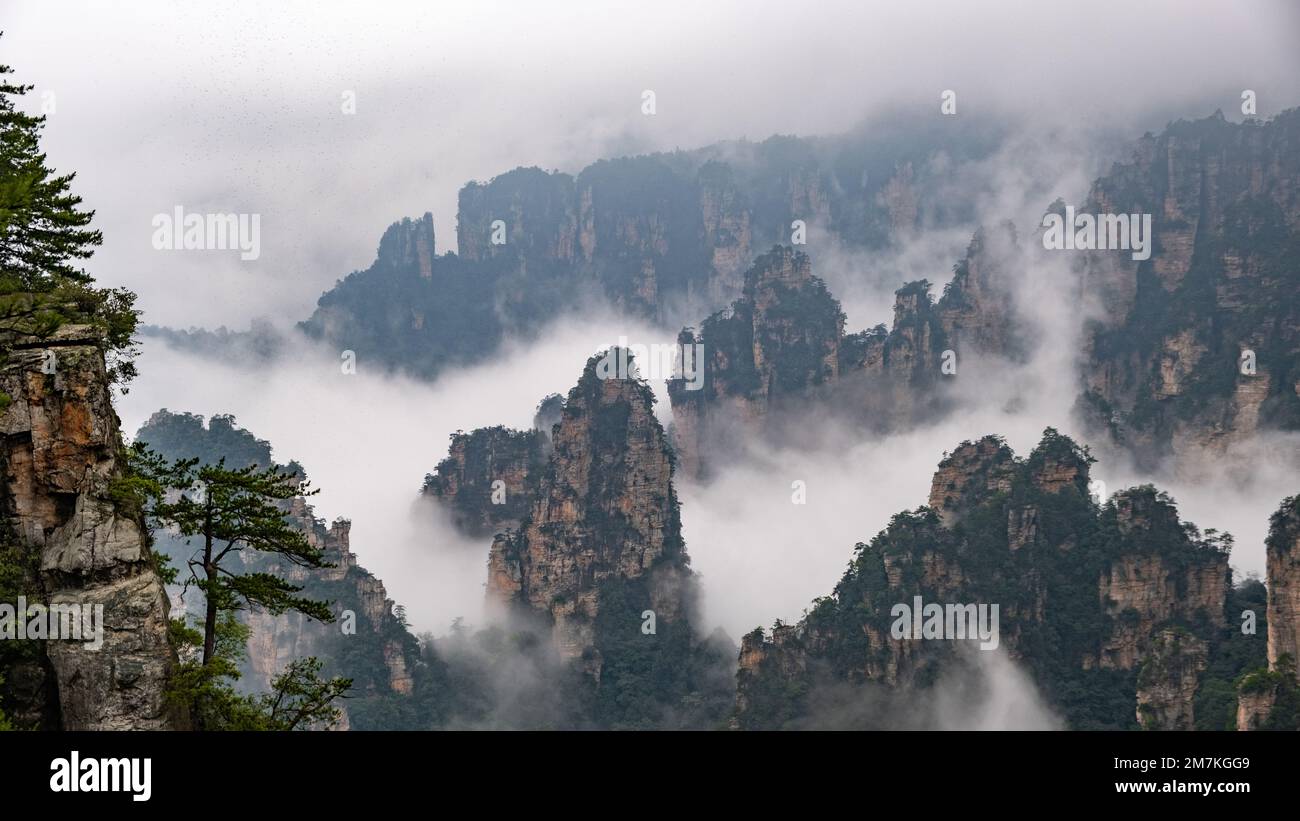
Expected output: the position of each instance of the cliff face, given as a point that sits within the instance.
(780, 340)
(1146, 587)
(598, 571)
(975, 316)
(728, 231)
(1087, 597)
(1269, 698)
(1254, 708)
(412, 309)
(605, 512)
(409, 245)
(784, 341)
(60, 453)
(368, 643)
(489, 477)
(664, 237)
(466, 481)
(1168, 680)
(1284, 583)
(977, 310)
(973, 471)
(1166, 370)
(538, 215)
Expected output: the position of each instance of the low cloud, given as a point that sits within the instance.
(980, 691)
(368, 439)
(240, 109)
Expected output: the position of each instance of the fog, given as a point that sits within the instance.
(982, 690)
(367, 440)
(221, 109)
(1030, 169)
(238, 108)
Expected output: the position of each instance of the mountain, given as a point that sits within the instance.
(662, 237)
(1186, 352)
(1118, 611)
(1269, 697)
(488, 478)
(1199, 346)
(67, 539)
(783, 343)
(599, 569)
(369, 643)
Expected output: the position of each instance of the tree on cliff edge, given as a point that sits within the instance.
(42, 228)
(229, 512)
(44, 234)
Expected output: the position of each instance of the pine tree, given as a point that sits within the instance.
(231, 513)
(43, 230)
(44, 234)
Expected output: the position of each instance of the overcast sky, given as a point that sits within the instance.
(221, 107)
(237, 108)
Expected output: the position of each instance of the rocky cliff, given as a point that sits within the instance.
(1269, 697)
(1283, 546)
(598, 567)
(663, 237)
(66, 542)
(1199, 346)
(783, 343)
(487, 477)
(1168, 680)
(605, 511)
(368, 643)
(537, 214)
(412, 309)
(1113, 609)
(490, 475)
(778, 342)
(1194, 349)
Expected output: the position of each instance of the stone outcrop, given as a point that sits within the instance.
(975, 316)
(1275, 685)
(411, 309)
(60, 455)
(1142, 591)
(409, 244)
(783, 342)
(1168, 680)
(1254, 707)
(1197, 347)
(488, 477)
(278, 640)
(727, 230)
(1144, 588)
(368, 642)
(537, 213)
(490, 474)
(1283, 560)
(605, 513)
(595, 585)
(665, 237)
(780, 340)
(1132, 617)
(977, 309)
(972, 471)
